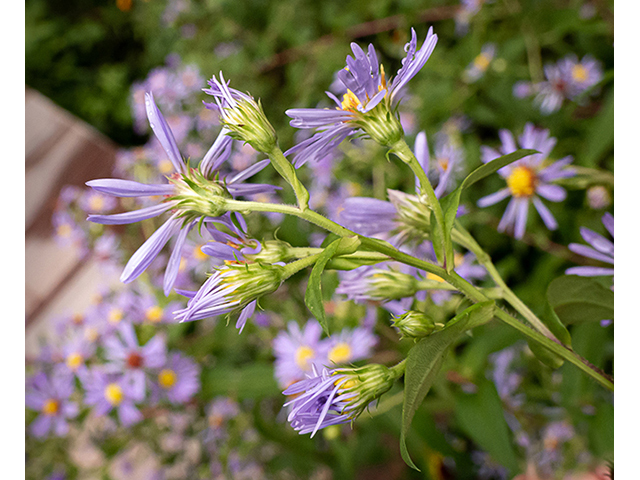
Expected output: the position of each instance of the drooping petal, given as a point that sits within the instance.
(597, 241)
(494, 198)
(590, 252)
(246, 313)
(129, 188)
(414, 61)
(149, 250)
(173, 266)
(132, 217)
(521, 218)
(547, 217)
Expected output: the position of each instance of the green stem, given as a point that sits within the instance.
(402, 150)
(288, 172)
(294, 267)
(471, 292)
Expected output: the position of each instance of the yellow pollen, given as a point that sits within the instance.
(113, 394)
(77, 318)
(167, 378)
(154, 314)
(522, 182)
(348, 384)
(199, 254)
(340, 353)
(350, 102)
(74, 360)
(64, 230)
(431, 276)
(482, 61)
(50, 407)
(115, 315)
(579, 73)
(383, 80)
(303, 355)
(165, 166)
(96, 203)
(183, 265)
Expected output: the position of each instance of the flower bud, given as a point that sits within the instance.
(248, 123)
(414, 324)
(273, 251)
(382, 125)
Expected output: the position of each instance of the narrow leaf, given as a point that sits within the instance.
(313, 296)
(424, 362)
(451, 202)
(551, 320)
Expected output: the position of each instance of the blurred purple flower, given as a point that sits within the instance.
(106, 391)
(49, 395)
(527, 178)
(600, 249)
(178, 379)
(296, 351)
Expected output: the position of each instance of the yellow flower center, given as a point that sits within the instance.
(340, 353)
(167, 378)
(350, 102)
(154, 314)
(579, 73)
(64, 230)
(303, 355)
(183, 265)
(113, 394)
(198, 254)
(96, 203)
(115, 315)
(522, 182)
(74, 360)
(482, 61)
(346, 385)
(165, 166)
(50, 407)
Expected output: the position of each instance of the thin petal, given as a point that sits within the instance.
(545, 214)
(129, 188)
(173, 266)
(163, 133)
(132, 217)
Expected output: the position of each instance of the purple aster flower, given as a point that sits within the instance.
(76, 351)
(296, 351)
(148, 310)
(49, 395)
(523, 89)
(334, 397)
(106, 391)
(179, 197)
(178, 380)
(231, 288)
(350, 345)
(92, 201)
(527, 179)
(369, 98)
(506, 380)
(580, 75)
(476, 70)
(600, 249)
(127, 357)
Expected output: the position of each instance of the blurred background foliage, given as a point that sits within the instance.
(86, 55)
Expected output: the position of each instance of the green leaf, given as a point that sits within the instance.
(424, 362)
(451, 202)
(551, 320)
(580, 299)
(313, 296)
(481, 416)
(438, 241)
(599, 138)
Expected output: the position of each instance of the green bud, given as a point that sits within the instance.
(199, 196)
(273, 251)
(248, 123)
(414, 324)
(391, 285)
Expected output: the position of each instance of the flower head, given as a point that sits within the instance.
(600, 249)
(242, 116)
(333, 397)
(527, 179)
(297, 351)
(233, 287)
(480, 64)
(193, 196)
(369, 104)
(178, 379)
(49, 395)
(108, 391)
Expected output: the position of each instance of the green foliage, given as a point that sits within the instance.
(580, 299)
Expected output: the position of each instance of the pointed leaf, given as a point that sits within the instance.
(551, 320)
(424, 362)
(313, 296)
(451, 202)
